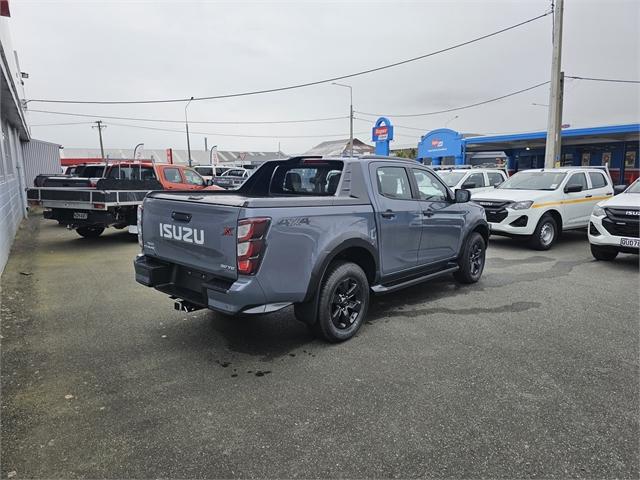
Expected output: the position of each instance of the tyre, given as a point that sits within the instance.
(545, 234)
(90, 232)
(471, 260)
(603, 253)
(343, 302)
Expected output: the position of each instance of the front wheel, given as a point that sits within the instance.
(603, 253)
(343, 302)
(90, 232)
(545, 234)
(471, 260)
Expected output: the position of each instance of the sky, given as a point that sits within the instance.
(140, 50)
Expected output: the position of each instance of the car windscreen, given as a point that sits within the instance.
(450, 178)
(534, 181)
(634, 188)
(309, 177)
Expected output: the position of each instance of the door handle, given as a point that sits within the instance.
(388, 214)
(427, 213)
(588, 196)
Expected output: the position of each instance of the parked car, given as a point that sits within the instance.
(318, 233)
(614, 226)
(539, 204)
(79, 175)
(476, 179)
(209, 172)
(232, 178)
(91, 206)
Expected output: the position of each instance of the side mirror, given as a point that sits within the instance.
(619, 189)
(469, 185)
(462, 196)
(572, 188)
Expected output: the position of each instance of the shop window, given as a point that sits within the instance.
(630, 159)
(586, 159)
(566, 160)
(606, 159)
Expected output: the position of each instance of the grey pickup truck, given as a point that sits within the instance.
(318, 233)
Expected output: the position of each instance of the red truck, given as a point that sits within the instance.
(90, 205)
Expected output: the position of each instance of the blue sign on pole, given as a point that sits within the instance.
(382, 134)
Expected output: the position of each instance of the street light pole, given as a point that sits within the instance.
(554, 145)
(186, 124)
(136, 149)
(350, 114)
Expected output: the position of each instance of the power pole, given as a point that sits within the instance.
(554, 124)
(100, 126)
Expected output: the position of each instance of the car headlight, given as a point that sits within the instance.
(598, 211)
(520, 205)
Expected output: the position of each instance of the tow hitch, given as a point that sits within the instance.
(186, 306)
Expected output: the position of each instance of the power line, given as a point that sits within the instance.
(484, 102)
(59, 124)
(231, 134)
(301, 85)
(612, 80)
(157, 120)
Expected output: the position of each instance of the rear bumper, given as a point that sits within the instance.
(243, 295)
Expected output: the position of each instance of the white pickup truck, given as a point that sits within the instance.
(474, 179)
(614, 226)
(539, 204)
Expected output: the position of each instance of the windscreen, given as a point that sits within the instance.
(634, 188)
(534, 181)
(450, 178)
(309, 177)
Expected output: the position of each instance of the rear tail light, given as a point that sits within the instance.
(251, 245)
(139, 224)
(99, 206)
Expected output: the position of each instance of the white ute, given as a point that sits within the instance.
(474, 179)
(614, 226)
(539, 204)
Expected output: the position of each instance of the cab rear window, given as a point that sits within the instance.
(309, 177)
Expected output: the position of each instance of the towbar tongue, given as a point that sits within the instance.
(185, 306)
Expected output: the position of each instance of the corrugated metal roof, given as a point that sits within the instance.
(340, 148)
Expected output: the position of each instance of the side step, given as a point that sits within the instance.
(382, 289)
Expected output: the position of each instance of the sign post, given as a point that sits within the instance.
(382, 134)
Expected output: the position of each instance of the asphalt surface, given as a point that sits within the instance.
(533, 372)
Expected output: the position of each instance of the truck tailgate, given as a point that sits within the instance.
(198, 235)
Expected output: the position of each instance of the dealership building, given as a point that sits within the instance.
(615, 146)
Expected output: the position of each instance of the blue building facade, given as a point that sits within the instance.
(613, 145)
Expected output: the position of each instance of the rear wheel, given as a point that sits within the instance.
(343, 302)
(471, 260)
(90, 232)
(545, 234)
(603, 253)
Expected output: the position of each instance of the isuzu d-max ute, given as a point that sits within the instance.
(318, 233)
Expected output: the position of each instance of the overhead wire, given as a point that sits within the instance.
(300, 85)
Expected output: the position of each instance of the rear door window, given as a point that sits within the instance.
(393, 183)
(597, 180)
(131, 172)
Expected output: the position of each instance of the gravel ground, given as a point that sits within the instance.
(533, 372)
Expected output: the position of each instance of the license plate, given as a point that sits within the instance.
(80, 215)
(630, 242)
